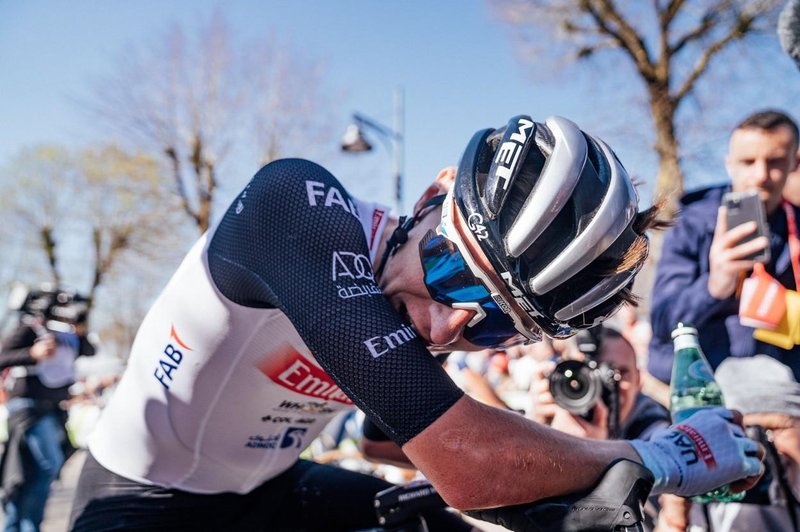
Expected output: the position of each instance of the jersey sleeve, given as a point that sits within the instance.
(292, 240)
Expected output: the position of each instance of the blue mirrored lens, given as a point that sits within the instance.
(449, 280)
(446, 274)
(494, 330)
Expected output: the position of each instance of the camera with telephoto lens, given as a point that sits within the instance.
(577, 385)
(57, 309)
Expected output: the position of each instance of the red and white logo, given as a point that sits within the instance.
(377, 217)
(291, 370)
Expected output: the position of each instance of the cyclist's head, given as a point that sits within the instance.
(539, 232)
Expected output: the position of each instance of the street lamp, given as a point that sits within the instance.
(354, 141)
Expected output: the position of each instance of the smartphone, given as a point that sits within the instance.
(745, 207)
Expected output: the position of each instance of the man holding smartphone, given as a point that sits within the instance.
(704, 261)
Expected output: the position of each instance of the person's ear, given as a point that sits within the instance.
(445, 179)
(728, 165)
(441, 185)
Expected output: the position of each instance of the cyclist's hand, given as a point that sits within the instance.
(726, 260)
(704, 452)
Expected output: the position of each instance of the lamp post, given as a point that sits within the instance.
(354, 141)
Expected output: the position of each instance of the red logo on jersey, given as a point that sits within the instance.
(377, 216)
(288, 368)
(174, 335)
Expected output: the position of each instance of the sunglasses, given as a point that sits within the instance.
(450, 281)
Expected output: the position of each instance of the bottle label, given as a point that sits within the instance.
(699, 370)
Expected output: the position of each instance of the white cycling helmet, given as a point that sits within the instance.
(553, 210)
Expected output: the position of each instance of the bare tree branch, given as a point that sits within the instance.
(737, 32)
(671, 45)
(603, 12)
(190, 100)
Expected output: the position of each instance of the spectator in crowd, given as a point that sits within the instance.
(768, 395)
(472, 372)
(636, 330)
(639, 414)
(702, 264)
(41, 370)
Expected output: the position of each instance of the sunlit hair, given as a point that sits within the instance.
(637, 253)
(768, 120)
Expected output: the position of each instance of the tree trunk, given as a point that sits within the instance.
(669, 183)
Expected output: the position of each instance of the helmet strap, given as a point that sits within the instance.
(400, 234)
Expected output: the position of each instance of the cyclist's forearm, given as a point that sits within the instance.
(480, 457)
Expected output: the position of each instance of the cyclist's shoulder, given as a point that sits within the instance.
(289, 184)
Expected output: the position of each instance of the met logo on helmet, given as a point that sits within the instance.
(519, 297)
(507, 155)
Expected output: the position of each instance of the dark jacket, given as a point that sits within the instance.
(680, 292)
(647, 417)
(16, 352)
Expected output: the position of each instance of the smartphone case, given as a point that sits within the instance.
(744, 207)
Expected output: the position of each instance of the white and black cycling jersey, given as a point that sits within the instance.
(271, 325)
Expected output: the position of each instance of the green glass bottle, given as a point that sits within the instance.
(692, 388)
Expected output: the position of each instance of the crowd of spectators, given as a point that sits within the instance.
(701, 268)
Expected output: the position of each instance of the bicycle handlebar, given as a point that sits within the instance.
(615, 504)
(399, 505)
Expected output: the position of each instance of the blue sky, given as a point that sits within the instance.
(454, 60)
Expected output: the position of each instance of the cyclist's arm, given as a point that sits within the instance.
(480, 457)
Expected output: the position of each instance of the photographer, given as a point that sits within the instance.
(38, 359)
(613, 407)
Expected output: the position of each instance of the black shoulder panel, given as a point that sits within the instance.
(292, 240)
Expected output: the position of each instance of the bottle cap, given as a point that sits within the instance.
(683, 329)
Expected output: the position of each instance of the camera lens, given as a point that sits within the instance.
(576, 386)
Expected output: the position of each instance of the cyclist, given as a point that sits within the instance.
(303, 301)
